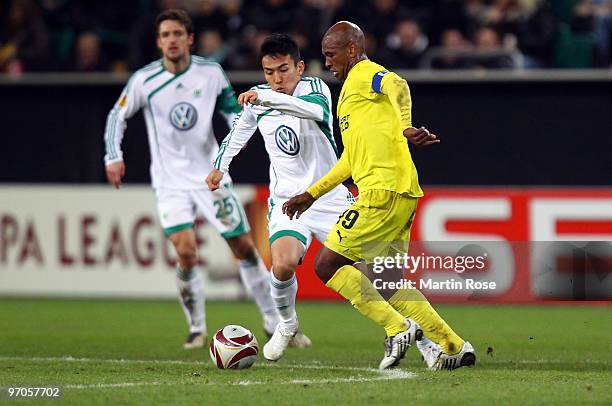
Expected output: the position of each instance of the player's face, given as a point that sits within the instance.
(173, 40)
(282, 73)
(336, 57)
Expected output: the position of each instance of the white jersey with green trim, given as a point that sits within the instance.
(178, 110)
(297, 132)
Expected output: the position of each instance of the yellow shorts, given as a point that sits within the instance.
(378, 221)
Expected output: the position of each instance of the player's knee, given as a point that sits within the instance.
(187, 254)
(324, 268)
(243, 247)
(283, 271)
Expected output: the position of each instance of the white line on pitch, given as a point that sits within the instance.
(380, 376)
(182, 362)
(384, 376)
(111, 385)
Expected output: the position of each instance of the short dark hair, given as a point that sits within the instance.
(175, 14)
(280, 44)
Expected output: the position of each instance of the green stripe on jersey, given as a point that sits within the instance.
(325, 124)
(109, 135)
(204, 61)
(288, 233)
(160, 87)
(223, 147)
(153, 76)
(265, 113)
(315, 84)
(177, 228)
(111, 122)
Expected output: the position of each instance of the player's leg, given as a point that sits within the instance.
(287, 250)
(349, 282)
(339, 274)
(286, 254)
(411, 302)
(191, 286)
(255, 277)
(448, 350)
(176, 213)
(335, 267)
(364, 231)
(289, 240)
(223, 211)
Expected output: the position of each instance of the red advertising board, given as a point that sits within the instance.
(528, 226)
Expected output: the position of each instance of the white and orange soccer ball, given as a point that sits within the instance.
(233, 347)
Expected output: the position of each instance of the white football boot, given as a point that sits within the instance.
(278, 343)
(464, 358)
(429, 350)
(195, 340)
(396, 346)
(299, 340)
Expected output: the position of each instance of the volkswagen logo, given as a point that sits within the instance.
(287, 140)
(183, 116)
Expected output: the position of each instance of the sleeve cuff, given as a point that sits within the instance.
(313, 192)
(112, 161)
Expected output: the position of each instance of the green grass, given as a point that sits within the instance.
(541, 355)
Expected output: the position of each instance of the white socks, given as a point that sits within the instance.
(283, 293)
(255, 276)
(191, 298)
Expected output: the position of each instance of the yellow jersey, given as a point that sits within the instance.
(374, 108)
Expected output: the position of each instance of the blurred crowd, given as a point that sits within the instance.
(118, 35)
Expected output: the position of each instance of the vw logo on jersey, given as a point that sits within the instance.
(183, 116)
(287, 140)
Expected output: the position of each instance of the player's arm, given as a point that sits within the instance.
(129, 102)
(313, 106)
(336, 175)
(396, 88)
(226, 103)
(240, 133)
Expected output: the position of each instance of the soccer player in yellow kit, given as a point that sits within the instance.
(374, 114)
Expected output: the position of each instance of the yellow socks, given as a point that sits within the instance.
(411, 303)
(356, 288)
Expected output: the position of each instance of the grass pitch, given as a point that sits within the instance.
(130, 352)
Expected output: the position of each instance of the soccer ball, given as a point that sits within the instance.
(233, 347)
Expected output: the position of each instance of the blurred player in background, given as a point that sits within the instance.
(179, 94)
(293, 115)
(375, 118)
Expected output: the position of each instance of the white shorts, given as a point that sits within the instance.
(178, 208)
(315, 222)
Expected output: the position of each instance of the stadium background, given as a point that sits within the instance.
(519, 93)
(521, 137)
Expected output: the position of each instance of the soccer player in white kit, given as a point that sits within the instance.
(293, 114)
(179, 94)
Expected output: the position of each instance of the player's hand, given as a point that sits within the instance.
(114, 173)
(298, 205)
(249, 97)
(420, 137)
(214, 179)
